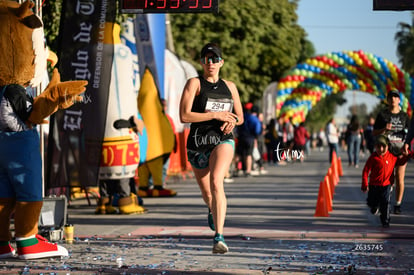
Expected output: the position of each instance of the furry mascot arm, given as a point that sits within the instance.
(24, 58)
(57, 95)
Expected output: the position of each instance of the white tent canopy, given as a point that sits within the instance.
(269, 102)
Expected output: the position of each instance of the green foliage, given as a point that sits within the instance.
(260, 40)
(378, 108)
(51, 15)
(51, 12)
(405, 46)
(323, 111)
(360, 110)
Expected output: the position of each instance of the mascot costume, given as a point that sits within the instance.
(24, 58)
(120, 149)
(160, 140)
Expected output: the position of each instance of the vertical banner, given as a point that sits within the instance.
(157, 30)
(145, 51)
(76, 135)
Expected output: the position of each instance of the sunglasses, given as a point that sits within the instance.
(212, 59)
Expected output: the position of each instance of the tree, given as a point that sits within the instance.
(51, 11)
(361, 111)
(323, 111)
(51, 14)
(260, 40)
(405, 46)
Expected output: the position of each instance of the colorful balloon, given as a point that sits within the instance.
(319, 76)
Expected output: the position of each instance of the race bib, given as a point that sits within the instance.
(219, 105)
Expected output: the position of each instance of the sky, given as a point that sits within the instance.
(347, 25)
(338, 25)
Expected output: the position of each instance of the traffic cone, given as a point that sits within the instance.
(340, 172)
(331, 182)
(321, 207)
(328, 191)
(334, 157)
(334, 167)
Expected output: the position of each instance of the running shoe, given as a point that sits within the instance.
(397, 209)
(219, 246)
(6, 250)
(374, 211)
(211, 221)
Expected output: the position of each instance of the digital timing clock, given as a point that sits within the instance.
(169, 6)
(394, 5)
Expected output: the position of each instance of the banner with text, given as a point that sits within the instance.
(85, 53)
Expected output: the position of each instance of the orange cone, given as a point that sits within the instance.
(340, 172)
(331, 181)
(334, 167)
(334, 157)
(321, 207)
(328, 192)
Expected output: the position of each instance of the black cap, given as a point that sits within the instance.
(393, 93)
(381, 140)
(210, 47)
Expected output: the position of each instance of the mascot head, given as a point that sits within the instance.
(23, 53)
(24, 56)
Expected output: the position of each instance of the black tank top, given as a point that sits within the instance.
(213, 97)
(399, 129)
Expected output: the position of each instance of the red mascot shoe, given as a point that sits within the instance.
(39, 247)
(7, 251)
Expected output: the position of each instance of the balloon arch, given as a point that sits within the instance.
(323, 75)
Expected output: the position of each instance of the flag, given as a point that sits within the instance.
(76, 134)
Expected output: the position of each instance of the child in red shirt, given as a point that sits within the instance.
(379, 169)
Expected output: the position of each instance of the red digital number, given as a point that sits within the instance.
(161, 4)
(176, 6)
(166, 6)
(206, 6)
(195, 5)
(145, 4)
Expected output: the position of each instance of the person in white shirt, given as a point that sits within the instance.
(332, 138)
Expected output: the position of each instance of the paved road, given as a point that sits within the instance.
(270, 229)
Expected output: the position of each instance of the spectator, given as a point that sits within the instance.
(301, 136)
(353, 141)
(247, 133)
(332, 138)
(271, 141)
(258, 167)
(282, 140)
(369, 136)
